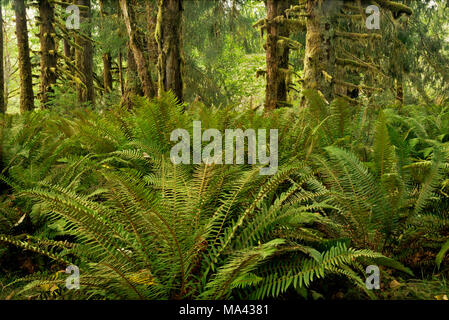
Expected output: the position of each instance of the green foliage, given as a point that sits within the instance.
(140, 227)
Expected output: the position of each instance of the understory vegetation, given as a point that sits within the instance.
(355, 187)
(94, 204)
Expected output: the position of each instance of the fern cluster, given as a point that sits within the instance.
(354, 187)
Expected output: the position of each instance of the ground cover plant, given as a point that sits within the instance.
(357, 137)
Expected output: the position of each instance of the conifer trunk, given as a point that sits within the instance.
(48, 50)
(169, 39)
(68, 52)
(133, 85)
(399, 90)
(151, 12)
(25, 71)
(320, 58)
(120, 58)
(120, 72)
(137, 45)
(107, 60)
(6, 68)
(277, 56)
(107, 74)
(2, 70)
(84, 56)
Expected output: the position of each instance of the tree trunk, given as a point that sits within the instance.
(169, 39)
(107, 60)
(2, 70)
(133, 85)
(68, 52)
(84, 57)
(48, 50)
(151, 11)
(26, 79)
(319, 56)
(107, 75)
(137, 43)
(277, 56)
(399, 90)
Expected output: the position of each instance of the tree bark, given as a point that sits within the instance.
(169, 39)
(107, 60)
(151, 11)
(84, 57)
(6, 68)
(2, 70)
(68, 50)
(120, 72)
(277, 56)
(137, 44)
(107, 75)
(133, 84)
(399, 90)
(25, 71)
(320, 57)
(48, 50)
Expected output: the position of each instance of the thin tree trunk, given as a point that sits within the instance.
(399, 90)
(107, 60)
(67, 49)
(133, 84)
(120, 72)
(48, 50)
(26, 80)
(7, 68)
(84, 57)
(277, 57)
(169, 38)
(2, 70)
(137, 44)
(107, 75)
(319, 56)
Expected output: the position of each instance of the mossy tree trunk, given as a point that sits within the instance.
(23, 47)
(120, 72)
(120, 57)
(68, 52)
(320, 57)
(84, 56)
(137, 42)
(151, 11)
(107, 74)
(107, 59)
(169, 39)
(133, 85)
(7, 68)
(2, 70)
(277, 55)
(2, 90)
(48, 50)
